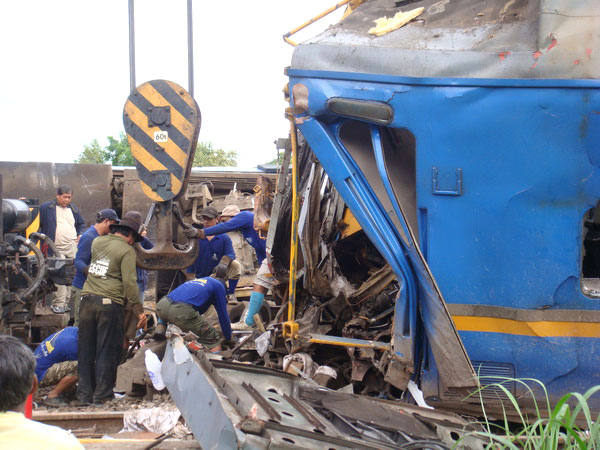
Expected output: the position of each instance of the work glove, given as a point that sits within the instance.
(221, 269)
(190, 232)
(142, 322)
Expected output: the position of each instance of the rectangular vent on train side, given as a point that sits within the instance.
(490, 374)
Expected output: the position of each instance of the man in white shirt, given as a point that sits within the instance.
(17, 381)
(61, 221)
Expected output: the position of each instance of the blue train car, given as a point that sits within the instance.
(467, 145)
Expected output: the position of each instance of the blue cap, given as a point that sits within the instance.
(109, 214)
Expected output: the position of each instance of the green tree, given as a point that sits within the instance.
(91, 154)
(208, 156)
(117, 152)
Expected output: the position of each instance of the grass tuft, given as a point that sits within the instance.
(553, 428)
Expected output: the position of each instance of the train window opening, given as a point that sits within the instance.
(399, 150)
(590, 264)
(399, 156)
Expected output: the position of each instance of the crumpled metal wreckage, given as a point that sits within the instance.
(337, 385)
(233, 405)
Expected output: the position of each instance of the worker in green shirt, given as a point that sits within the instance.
(111, 284)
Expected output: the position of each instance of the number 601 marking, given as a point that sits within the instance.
(161, 136)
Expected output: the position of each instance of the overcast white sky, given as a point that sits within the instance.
(65, 70)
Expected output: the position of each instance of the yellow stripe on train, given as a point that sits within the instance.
(531, 328)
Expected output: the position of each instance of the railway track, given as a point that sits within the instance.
(100, 430)
(104, 422)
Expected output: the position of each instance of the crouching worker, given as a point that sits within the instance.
(185, 305)
(17, 381)
(56, 364)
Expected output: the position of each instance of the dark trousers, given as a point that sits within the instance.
(101, 332)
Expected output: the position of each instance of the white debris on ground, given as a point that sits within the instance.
(157, 420)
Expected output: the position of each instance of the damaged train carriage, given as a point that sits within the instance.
(466, 145)
(346, 293)
(27, 276)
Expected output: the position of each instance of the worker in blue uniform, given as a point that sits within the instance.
(216, 255)
(56, 363)
(185, 305)
(232, 219)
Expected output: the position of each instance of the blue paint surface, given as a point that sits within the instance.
(529, 151)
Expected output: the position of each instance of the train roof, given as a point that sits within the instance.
(464, 39)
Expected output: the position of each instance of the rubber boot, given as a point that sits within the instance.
(256, 301)
(241, 325)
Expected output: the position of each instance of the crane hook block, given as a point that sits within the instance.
(162, 121)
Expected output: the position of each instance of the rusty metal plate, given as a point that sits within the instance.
(39, 180)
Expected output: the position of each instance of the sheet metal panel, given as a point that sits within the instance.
(283, 411)
(464, 38)
(91, 183)
(197, 399)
